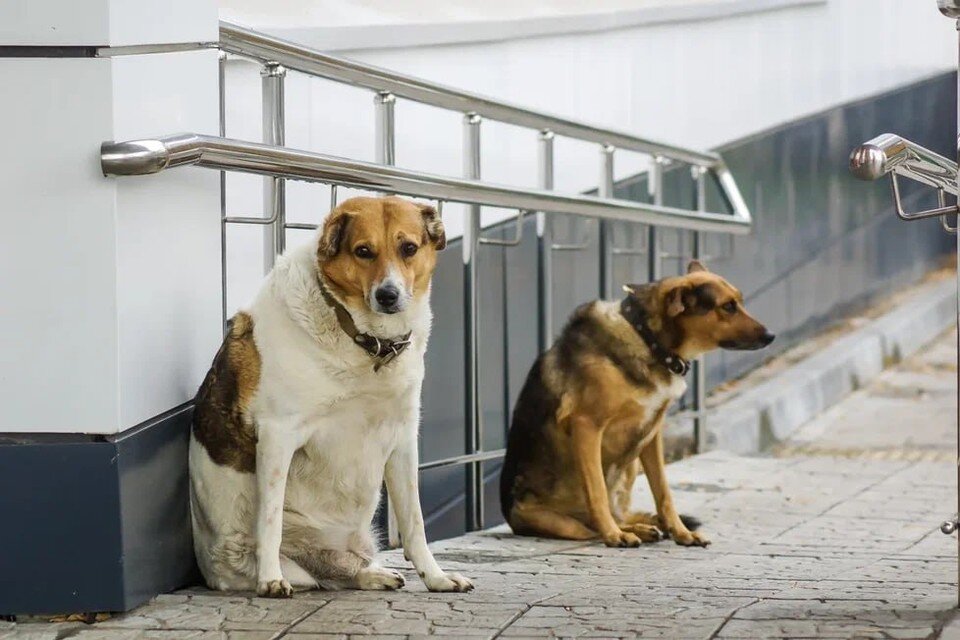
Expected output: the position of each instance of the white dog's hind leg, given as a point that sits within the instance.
(377, 578)
(297, 576)
(402, 487)
(335, 568)
(275, 449)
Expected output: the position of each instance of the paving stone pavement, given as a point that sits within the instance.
(835, 535)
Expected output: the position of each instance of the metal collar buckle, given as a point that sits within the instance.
(393, 349)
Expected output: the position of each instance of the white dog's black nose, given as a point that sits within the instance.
(387, 297)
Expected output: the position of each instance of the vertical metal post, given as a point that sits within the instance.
(384, 129)
(385, 153)
(274, 193)
(653, 244)
(222, 91)
(471, 396)
(606, 254)
(955, 8)
(951, 9)
(545, 246)
(699, 367)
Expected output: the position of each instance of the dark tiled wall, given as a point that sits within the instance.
(822, 242)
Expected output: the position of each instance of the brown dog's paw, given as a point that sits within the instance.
(620, 538)
(646, 532)
(690, 538)
(275, 589)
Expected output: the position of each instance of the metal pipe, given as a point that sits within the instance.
(605, 190)
(146, 49)
(888, 152)
(653, 244)
(476, 457)
(471, 334)
(952, 9)
(384, 132)
(142, 157)
(274, 192)
(545, 246)
(699, 365)
(949, 8)
(385, 153)
(260, 46)
(222, 104)
(517, 238)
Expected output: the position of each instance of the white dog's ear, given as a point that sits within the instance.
(433, 226)
(333, 233)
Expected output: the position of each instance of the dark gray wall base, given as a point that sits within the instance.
(95, 523)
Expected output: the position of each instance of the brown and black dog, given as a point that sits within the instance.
(591, 411)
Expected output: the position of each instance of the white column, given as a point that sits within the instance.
(110, 291)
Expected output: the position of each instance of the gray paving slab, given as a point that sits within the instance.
(833, 535)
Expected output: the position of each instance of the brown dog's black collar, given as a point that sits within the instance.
(637, 317)
(382, 350)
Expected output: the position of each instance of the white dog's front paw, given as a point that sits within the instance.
(447, 582)
(274, 588)
(379, 579)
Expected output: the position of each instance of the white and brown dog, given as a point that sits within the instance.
(314, 399)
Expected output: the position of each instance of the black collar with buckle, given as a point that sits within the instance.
(382, 350)
(637, 317)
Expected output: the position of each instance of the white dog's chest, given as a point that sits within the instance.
(338, 471)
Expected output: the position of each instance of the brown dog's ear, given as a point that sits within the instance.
(332, 235)
(675, 302)
(433, 226)
(694, 266)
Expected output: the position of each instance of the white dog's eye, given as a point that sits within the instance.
(408, 249)
(363, 252)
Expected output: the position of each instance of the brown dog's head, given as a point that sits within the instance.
(379, 253)
(699, 312)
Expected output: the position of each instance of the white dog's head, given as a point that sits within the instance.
(379, 254)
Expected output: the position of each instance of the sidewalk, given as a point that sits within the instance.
(834, 535)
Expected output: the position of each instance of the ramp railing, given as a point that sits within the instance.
(278, 164)
(889, 154)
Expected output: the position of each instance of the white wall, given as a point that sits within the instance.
(110, 292)
(110, 287)
(692, 82)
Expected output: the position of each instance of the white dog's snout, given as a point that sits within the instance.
(390, 295)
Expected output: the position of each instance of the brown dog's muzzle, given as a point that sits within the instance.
(752, 344)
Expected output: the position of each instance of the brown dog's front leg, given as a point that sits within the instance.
(587, 438)
(651, 457)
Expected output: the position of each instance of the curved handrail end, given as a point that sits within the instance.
(868, 162)
(133, 158)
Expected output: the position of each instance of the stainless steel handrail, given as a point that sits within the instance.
(889, 152)
(142, 157)
(276, 56)
(265, 48)
(259, 46)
